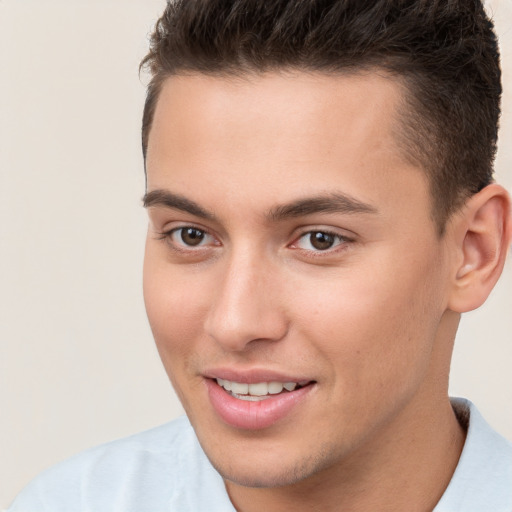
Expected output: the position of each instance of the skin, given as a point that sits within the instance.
(370, 320)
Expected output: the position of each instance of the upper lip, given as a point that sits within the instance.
(254, 375)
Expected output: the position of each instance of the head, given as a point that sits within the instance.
(444, 54)
(319, 215)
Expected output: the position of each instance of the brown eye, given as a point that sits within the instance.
(191, 236)
(318, 241)
(321, 241)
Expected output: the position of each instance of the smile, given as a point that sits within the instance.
(256, 405)
(256, 391)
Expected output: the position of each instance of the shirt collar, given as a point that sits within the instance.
(483, 477)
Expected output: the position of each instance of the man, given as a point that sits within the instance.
(321, 212)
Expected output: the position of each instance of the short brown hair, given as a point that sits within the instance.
(444, 51)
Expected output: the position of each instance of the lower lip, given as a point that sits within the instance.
(256, 415)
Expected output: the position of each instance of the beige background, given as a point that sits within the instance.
(77, 362)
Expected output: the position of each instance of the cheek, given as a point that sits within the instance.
(376, 325)
(175, 305)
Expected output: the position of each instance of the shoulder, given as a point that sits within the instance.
(483, 477)
(121, 475)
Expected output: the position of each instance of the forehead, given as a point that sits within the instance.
(299, 132)
(281, 107)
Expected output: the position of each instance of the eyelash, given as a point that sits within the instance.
(340, 245)
(167, 236)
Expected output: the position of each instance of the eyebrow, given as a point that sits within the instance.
(176, 202)
(328, 203)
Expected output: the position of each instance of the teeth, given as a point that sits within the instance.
(239, 388)
(256, 389)
(275, 387)
(259, 389)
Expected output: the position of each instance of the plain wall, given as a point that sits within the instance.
(77, 361)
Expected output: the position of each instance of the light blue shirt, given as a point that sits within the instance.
(165, 470)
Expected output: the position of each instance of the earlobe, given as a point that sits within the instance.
(483, 231)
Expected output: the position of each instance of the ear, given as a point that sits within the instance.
(482, 232)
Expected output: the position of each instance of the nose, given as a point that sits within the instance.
(246, 307)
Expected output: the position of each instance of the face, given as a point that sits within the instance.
(293, 279)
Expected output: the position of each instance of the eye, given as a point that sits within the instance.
(189, 237)
(319, 241)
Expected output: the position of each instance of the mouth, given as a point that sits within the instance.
(258, 391)
(257, 405)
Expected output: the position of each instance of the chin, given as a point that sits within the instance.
(265, 478)
(265, 472)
